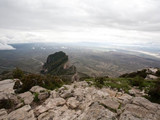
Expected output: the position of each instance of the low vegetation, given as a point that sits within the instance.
(154, 93)
(122, 83)
(152, 87)
(36, 99)
(18, 73)
(29, 80)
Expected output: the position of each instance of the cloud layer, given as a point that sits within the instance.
(117, 21)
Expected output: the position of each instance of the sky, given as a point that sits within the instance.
(103, 21)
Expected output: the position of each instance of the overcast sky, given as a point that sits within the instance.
(115, 21)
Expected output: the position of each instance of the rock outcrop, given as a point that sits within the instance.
(80, 101)
(58, 64)
(148, 74)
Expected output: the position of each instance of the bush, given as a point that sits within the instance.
(141, 73)
(31, 80)
(53, 82)
(18, 73)
(99, 82)
(137, 81)
(155, 93)
(46, 81)
(158, 73)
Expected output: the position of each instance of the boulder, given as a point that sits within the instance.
(125, 98)
(65, 92)
(3, 114)
(42, 92)
(97, 112)
(6, 89)
(140, 109)
(151, 77)
(46, 116)
(54, 94)
(24, 113)
(110, 103)
(143, 102)
(49, 104)
(27, 97)
(7, 86)
(72, 103)
(151, 70)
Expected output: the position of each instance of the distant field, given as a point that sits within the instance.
(91, 61)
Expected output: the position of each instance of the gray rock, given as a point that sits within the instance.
(111, 103)
(3, 114)
(49, 104)
(97, 112)
(7, 86)
(151, 77)
(151, 70)
(54, 94)
(72, 103)
(42, 92)
(46, 116)
(27, 97)
(140, 109)
(6, 89)
(24, 113)
(125, 99)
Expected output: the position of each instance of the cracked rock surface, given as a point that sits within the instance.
(78, 101)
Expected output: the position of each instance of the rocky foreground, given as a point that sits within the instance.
(78, 101)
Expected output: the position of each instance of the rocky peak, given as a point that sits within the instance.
(58, 64)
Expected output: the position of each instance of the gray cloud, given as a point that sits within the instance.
(45, 14)
(80, 20)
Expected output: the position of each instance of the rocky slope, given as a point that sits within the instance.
(78, 101)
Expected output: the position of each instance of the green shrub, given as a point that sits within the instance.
(46, 81)
(36, 99)
(18, 73)
(137, 81)
(141, 74)
(158, 73)
(99, 82)
(154, 93)
(118, 83)
(31, 80)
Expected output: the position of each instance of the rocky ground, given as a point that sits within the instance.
(78, 101)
